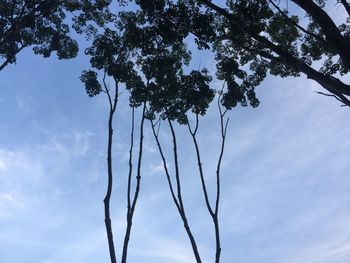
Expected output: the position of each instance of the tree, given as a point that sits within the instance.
(213, 210)
(44, 26)
(253, 38)
(173, 95)
(153, 71)
(93, 88)
(110, 55)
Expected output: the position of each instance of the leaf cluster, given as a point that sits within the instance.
(44, 24)
(151, 67)
(254, 38)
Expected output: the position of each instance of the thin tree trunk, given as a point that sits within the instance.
(223, 127)
(178, 203)
(214, 214)
(131, 209)
(108, 224)
(179, 194)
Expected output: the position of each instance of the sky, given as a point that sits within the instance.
(285, 180)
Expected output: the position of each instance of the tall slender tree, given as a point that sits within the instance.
(132, 201)
(176, 191)
(111, 55)
(93, 88)
(212, 209)
(169, 93)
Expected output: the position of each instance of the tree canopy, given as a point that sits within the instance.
(45, 26)
(254, 38)
(151, 69)
(250, 39)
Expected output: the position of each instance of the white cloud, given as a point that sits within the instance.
(9, 205)
(88, 246)
(19, 164)
(70, 145)
(2, 165)
(324, 251)
(159, 168)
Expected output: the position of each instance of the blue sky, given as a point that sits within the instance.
(285, 195)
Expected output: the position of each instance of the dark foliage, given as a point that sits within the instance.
(44, 26)
(258, 37)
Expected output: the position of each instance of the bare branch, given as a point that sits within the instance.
(160, 121)
(7, 61)
(130, 160)
(176, 162)
(332, 95)
(218, 182)
(195, 128)
(137, 190)
(199, 162)
(106, 90)
(107, 198)
(223, 128)
(297, 25)
(346, 6)
(165, 166)
(178, 201)
(156, 122)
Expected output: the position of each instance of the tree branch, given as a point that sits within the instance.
(106, 90)
(329, 28)
(176, 162)
(214, 215)
(199, 162)
(130, 161)
(8, 60)
(330, 95)
(297, 25)
(330, 83)
(160, 149)
(137, 190)
(110, 174)
(178, 203)
(346, 6)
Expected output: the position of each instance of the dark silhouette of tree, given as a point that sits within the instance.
(172, 100)
(253, 38)
(43, 24)
(172, 95)
(90, 78)
(110, 55)
(133, 201)
(213, 210)
(93, 87)
(176, 192)
(152, 70)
